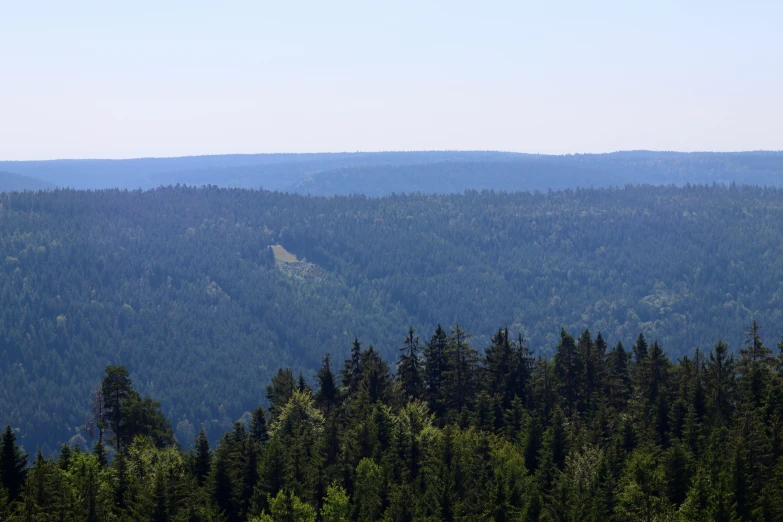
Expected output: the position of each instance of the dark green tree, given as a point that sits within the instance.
(202, 457)
(13, 464)
(409, 368)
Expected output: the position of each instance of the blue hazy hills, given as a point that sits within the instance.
(383, 173)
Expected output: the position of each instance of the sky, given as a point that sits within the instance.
(172, 78)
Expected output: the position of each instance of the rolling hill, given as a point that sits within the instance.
(384, 173)
(182, 287)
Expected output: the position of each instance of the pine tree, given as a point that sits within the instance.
(351, 373)
(202, 458)
(568, 369)
(336, 505)
(121, 467)
(13, 464)
(301, 384)
(434, 367)
(280, 391)
(65, 457)
(327, 395)
(100, 453)
(755, 367)
(409, 368)
(498, 368)
(459, 378)
(160, 512)
(522, 371)
(640, 349)
(618, 384)
(720, 379)
(116, 390)
(258, 429)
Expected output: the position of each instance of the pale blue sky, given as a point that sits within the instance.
(165, 78)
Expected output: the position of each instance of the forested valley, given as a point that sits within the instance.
(203, 293)
(597, 433)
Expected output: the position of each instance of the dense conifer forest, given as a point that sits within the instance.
(596, 433)
(182, 287)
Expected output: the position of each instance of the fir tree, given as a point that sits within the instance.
(409, 368)
(258, 429)
(327, 395)
(434, 368)
(351, 373)
(568, 369)
(13, 464)
(202, 458)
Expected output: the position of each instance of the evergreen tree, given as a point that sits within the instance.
(409, 368)
(755, 367)
(280, 391)
(13, 464)
(351, 373)
(459, 378)
(116, 390)
(327, 395)
(568, 369)
(336, 505)
(100, 454)
(258, 429)
(499, 368)
(202, 458)
(523, 370)
(618, 384)
(640, 349)
(302, 384)
(720, 379)
(435, 365)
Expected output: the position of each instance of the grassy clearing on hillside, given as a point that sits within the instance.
(283, 255)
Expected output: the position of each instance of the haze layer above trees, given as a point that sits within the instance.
(181, 287)
(384, 173)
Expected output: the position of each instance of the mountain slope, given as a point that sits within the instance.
(10, 182)
(180, 285)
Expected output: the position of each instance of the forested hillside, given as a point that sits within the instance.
(598, 433)
(15, 182)
(435, 172)
(181, 286)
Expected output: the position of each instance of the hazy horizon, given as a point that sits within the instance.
(96, 80)
(385, 151)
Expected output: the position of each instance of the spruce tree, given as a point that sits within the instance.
(116, 389)
(755, 367)
(327, 395)
(258, 429)
(434, 368)
(13, 464)
(351, 373)
(462, 367)
(568, 369)
(202, 458)
(409, 368)
(720, 380)
(618, 384)
(499, 368)
(280, 390)
(100, 454)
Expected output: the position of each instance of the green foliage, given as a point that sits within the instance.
(605, 439)
(178, 286)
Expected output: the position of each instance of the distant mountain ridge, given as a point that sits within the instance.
(11, 182)
(430, 172)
